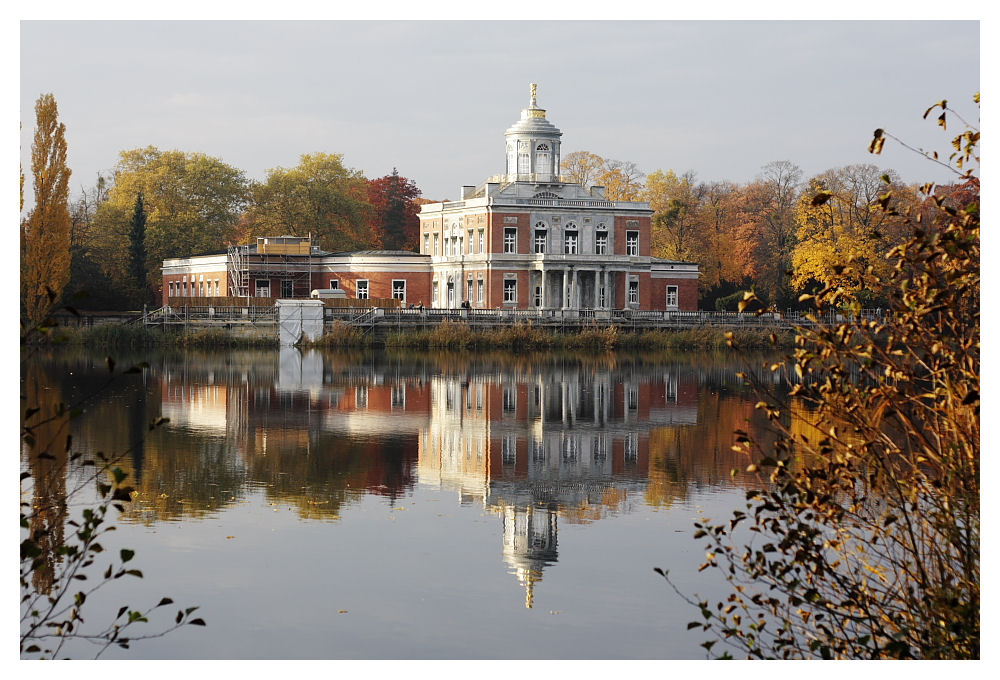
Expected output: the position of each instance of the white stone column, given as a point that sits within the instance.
(565, 290)
(575, 304)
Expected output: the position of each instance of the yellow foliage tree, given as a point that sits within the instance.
(841, 221)
(318, 196)
(45, 232)
(193, 204)
(674, 202)
(622, 180)
(581, 167)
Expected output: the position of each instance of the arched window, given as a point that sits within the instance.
(543, 159)
(541, 237)
(545, 194)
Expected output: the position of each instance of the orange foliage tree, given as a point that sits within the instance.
(45, 232)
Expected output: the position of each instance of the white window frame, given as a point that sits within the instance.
(468, 289)
(672, 297)
(510, 290)
(402, 297)
(541, 240)
(358, 291)
(542, 152)
(633, 292)
(437, 239)
(257, 287)
(510, 240)
(632, 243)
(482, 240)
(427, 244)
(571, 242)
(334, 284)
(601, 242)
(480, 291)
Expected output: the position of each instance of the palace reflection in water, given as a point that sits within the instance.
(537, 442)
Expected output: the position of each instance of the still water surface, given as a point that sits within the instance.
(323, 505)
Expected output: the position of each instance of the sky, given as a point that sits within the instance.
(433, 98)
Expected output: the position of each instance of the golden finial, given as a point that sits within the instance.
(534, 93)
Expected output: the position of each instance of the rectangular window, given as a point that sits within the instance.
(671, 297)
(510, 239)
(632, 398)
(434, 294)
(398, 398)
(217, 288)
(510, 290)
(447, 247)
(469, 291)
(470, 244)
(632, 243)
(287, 288)
(509, 399)
(631, 448)
(601, 243)
(538, 296)
(399, 289)
(334, 284)
(362, 288)
(482, 240)
(479, 291)
(570, 243)
(427, 244)
(540, 238)
(170, 290)
(633, 292)
(263, 287)
(435, 244)
(508, 449)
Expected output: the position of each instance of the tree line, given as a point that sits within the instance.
(780, 235)
(769, 235)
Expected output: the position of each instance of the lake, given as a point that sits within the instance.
(351, 505)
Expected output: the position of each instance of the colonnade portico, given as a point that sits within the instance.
(574, 287)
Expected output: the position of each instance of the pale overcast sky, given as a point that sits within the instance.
(433, 98)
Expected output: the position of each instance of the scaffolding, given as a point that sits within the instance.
(289, 259)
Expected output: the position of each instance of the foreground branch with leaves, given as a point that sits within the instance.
(862, 540)
(63, 561)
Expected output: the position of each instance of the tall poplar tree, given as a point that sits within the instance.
(137, 251)
(45, 232)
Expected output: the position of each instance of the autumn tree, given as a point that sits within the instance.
(722, 253)
(394, 221)
(674, 201)
(319, 196)
(840, 219)
(45, 232)
(622, 180)
(192, 201)
(862, 537)
(767, 229)
(581, 167)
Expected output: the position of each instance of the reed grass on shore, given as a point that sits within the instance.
(448, 335)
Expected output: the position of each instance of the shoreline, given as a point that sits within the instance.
(455, 336)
